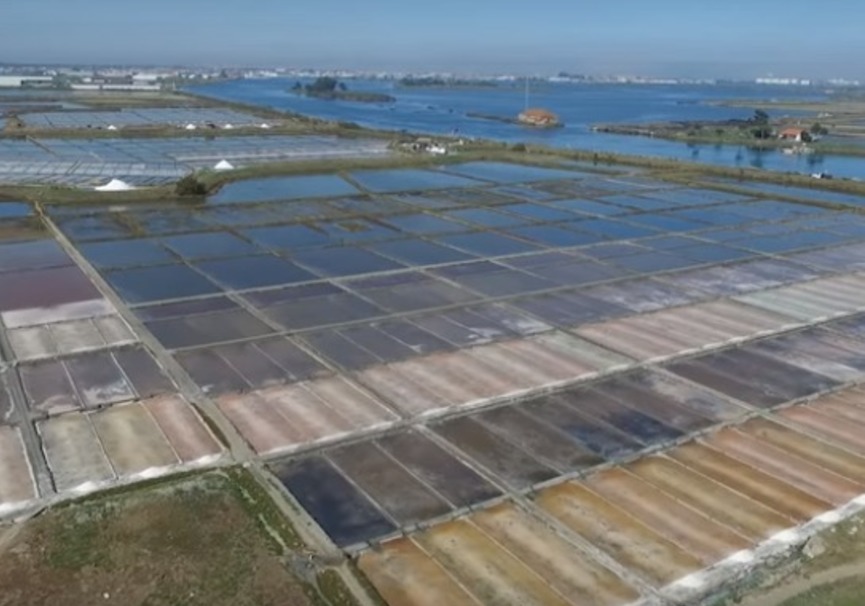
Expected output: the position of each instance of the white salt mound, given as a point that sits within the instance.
(115, 185)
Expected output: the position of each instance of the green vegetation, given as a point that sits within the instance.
(212, 539)
(331, 586)
(761, 129)
(323, 85)
(843, 115)
(829, 570)
(819, 130)
(844, 543)
(757, 131)
(760, 117)
(262, 507)
(848, 592)
(437, 82)
(728, 133)
(332, 89)
(190, 185)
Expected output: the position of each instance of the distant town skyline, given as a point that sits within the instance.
(663, 38)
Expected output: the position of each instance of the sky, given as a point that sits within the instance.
(685, 38)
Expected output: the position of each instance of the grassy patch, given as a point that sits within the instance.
(849, 592)
(214, 539)
(263, 509)
(330, 585)
(76, 545)
(844, 543)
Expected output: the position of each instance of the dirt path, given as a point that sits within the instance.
(798, 585)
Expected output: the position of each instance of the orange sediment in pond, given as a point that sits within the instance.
(502, 555)
(687, 527)
(623, 537)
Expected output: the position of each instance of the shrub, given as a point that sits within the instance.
(190, 185)
(819, 129)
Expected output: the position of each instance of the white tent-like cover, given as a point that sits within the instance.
(224, 165)
(115, 185)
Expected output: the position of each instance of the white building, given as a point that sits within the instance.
(13, 81)
(783, 81)
(151, 77)
(117, 87)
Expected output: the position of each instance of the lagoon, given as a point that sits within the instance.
(444, 111)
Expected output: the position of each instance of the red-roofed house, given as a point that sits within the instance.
(800, 135)
(539, 117)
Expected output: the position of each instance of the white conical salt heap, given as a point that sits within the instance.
(115, 185)
(224, 165)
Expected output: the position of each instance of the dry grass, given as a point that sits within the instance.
(206, 540)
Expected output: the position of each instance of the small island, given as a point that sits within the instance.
(333, 90)
(539, 118)
(533, 118)
(758, 131)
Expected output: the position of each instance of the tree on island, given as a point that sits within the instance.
(329, 88)
(762, 132)
(761, 129)
(819, 130)
(760, 117)
(324, 84)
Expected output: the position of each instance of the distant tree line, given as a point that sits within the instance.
(437, 81)
(321, 86)
(327, 87)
